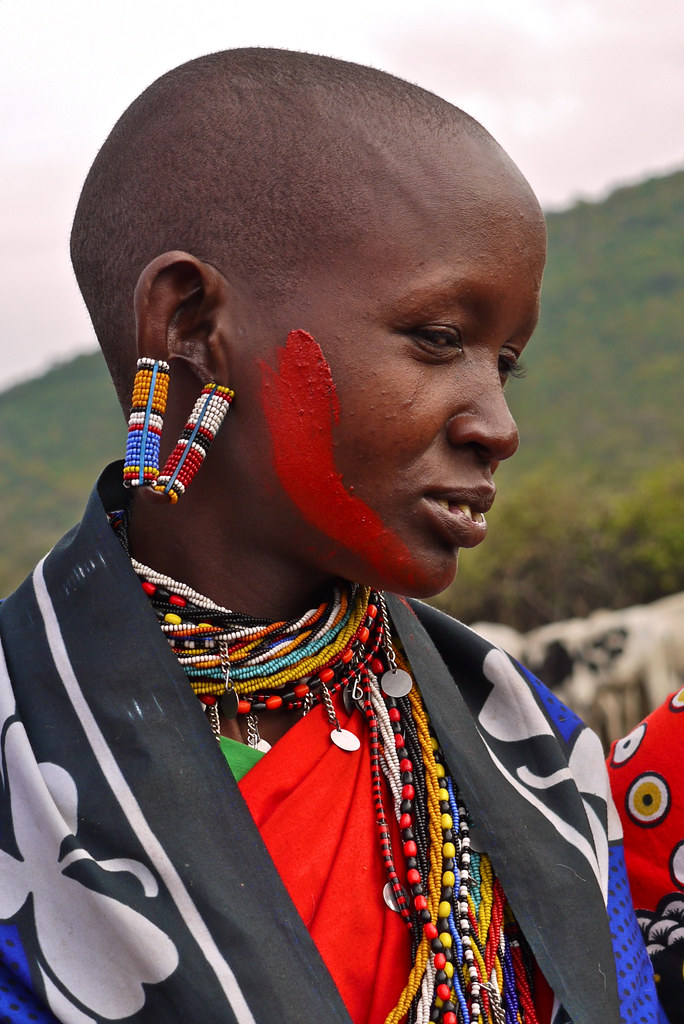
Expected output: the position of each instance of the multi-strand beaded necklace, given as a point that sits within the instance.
(470, 962)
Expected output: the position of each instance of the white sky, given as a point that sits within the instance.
(583, 95)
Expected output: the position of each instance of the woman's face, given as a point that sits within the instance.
(370, 426)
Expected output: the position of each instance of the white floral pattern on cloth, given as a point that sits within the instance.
(82, 934)
(509, 714)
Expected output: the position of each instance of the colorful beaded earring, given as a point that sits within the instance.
(141, 464)
(192, 446)
(148, 405)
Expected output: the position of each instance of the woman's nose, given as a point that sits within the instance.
(485, 422)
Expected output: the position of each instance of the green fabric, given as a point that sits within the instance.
(239, 756)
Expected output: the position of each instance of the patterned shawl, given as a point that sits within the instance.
(134, 884)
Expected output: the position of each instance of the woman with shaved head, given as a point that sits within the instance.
(243, 781)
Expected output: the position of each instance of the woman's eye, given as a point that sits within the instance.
(434, 338)
(510, 366)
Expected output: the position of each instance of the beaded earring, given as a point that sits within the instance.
(148, 405)
(150, 392)
(192, 446)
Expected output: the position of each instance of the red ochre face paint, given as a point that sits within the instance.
(301, 408)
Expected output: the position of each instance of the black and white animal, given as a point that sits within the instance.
(637, 651)
(627, 660)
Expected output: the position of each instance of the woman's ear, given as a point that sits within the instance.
(182, 311)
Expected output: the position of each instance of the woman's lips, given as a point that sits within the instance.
(457, 522)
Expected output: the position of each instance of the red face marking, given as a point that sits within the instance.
(301, 408)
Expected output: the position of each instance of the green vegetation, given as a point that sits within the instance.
(56, 434)
(602, 394)
(589, 509)
(559, 548)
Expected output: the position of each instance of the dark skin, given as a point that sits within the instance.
(421, 327)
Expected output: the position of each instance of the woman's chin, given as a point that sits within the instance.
(420, 579)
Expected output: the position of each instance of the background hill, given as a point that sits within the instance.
(603, 392)
(589, 512)
(56, 433)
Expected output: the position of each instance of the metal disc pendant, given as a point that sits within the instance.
(228, 704)
(389, 898)
(263, 745)
(345, 740)
(396, 684)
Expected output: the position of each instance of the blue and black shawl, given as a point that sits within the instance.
(134, 885)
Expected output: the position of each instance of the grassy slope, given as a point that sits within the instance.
(603, 393)
(56, 433)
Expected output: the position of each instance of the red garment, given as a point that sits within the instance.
(312, 804)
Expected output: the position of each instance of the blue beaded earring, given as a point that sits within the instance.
(148, 405)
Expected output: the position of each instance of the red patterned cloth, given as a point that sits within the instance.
(647, 778)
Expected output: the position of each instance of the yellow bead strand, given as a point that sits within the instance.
(487, 896)
(415, 980)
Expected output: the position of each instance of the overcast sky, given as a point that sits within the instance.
(583, 95)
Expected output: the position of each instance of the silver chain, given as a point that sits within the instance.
(307, 704)
(214, 720)
(225, 661)
(253, 735)
(327, 700)
(387, 636)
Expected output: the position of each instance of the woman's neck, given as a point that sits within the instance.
(231, 574)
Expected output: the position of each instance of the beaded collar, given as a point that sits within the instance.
(237, 664)
(470, 963)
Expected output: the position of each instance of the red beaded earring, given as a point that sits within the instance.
(192, 446)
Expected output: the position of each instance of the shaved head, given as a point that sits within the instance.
(263, 163)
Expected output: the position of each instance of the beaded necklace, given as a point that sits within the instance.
(245, 666)
(470, 962)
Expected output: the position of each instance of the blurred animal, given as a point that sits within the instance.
(635, 654)
(505, 637)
